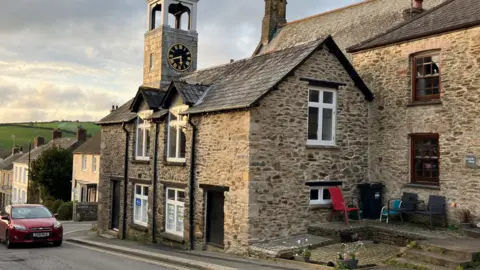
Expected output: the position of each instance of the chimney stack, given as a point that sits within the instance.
(38, 141)
(81, 134)
(56, 134)
(275, 17)
(417, 4)
(15, 150)
(113, 109)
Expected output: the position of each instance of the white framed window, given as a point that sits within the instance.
(24, 175)
(175, 211)
(176, 143)
(16, 174)
(140, 205)
(24, 200)
(322, 111)
(142, 141)
(84, 163)
(14, 196)
(320, 196)
(94, 164)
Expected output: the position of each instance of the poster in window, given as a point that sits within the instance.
(138, 202)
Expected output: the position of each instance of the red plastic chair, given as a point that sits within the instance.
(339, 205)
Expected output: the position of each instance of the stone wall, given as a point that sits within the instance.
(387, 71)
(85, 211)
(280, 161)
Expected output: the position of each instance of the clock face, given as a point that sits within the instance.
(179, 57)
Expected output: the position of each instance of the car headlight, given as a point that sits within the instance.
(57, 225)
(19, 227)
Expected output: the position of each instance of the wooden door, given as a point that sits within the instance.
(115, 205)
(215, 218)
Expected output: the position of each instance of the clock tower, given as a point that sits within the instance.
(171, 40)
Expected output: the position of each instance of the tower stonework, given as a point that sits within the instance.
(275, 17)
(171, 24)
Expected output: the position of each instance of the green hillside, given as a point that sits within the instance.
(25, 132)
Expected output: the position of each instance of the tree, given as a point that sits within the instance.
(51, 175)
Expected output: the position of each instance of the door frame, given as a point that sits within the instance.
(112, 190)
(206, 190)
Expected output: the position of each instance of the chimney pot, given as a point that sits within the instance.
(81, 134)
(15, 150)
(56, 134)
(116, 107)
(418, 4)
(231, 61)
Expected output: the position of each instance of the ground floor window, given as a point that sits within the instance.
(140, 205)
(319, 196)
(425, 159)
(175, 211)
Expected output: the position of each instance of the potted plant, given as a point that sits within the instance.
(348, 259)
(465, 217)
(303, 252)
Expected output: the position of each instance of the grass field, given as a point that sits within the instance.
(24, 135)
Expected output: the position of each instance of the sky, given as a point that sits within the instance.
(71, 60)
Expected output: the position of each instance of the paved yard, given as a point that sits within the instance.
(373, 254)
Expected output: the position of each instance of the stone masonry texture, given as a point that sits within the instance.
(280, 161)
(387, 70)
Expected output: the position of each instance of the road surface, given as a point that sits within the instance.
(70, 256)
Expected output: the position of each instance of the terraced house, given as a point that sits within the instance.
(241, 153)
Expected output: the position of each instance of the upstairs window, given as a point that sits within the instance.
(94, 164)
(321, 116)
(142, 140)
(426, 76)
(84, 163)
(425, 159)
(176, 144)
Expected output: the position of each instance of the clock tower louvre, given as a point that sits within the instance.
(171, 40)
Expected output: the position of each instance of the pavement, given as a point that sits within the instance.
(188, 259)
(71, 257)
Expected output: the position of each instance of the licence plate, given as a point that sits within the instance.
(46, 234)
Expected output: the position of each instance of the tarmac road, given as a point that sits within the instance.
(70, 256)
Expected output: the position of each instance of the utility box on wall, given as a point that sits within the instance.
(471, 161)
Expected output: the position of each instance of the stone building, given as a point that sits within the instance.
(424, 121)
(241, 153)
(222, 156)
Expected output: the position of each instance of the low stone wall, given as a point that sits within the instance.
(83, 211)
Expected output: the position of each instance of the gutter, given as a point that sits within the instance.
(155, 180)
(125, 184)
(192, 186)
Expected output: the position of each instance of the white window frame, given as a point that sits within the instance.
(84, 163)
(178, 124)
(320, 200)
(24, 175)
(14, 195)
(94, 164)
(143, 198)
(144, 128)
(175, 203)
(320, 105)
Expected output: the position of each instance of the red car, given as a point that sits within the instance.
(30, 223)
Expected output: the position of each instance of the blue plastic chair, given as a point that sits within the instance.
(396, 204)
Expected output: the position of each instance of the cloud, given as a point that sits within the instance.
(79, 55)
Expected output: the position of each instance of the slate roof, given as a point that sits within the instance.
(349, 25)
(242, 83)
(65, 143)
(153, 98)
(449, 16)
(122, 114)
(91, 146)
(7, 164)
(190, 93)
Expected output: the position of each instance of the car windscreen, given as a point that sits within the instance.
(30, 212)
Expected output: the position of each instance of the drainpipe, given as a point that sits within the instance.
(192, 185)
(155, 180)
(125, 185)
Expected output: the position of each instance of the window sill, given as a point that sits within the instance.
(172, 163)
(312, 146)
(140, 161)
(138, 227)
(424, 103)
(421, 186)
(172, 237)
(320, 206)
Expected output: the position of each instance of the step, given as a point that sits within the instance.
(473, 232)
(435, 258)
(447, 250)
(414, 264)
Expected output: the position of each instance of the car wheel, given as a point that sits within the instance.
(8, 243)
(57, 243)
